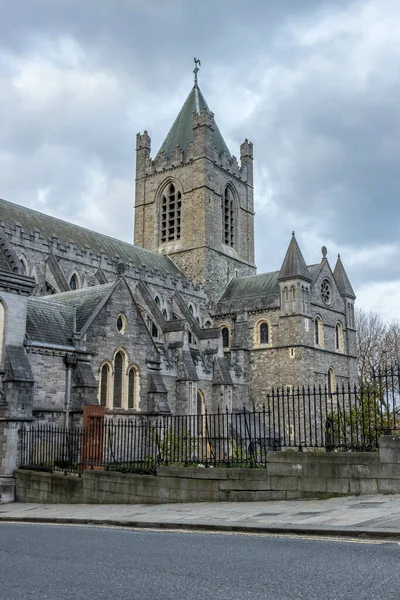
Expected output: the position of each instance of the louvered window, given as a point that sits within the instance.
(228, 218)
(171, 207)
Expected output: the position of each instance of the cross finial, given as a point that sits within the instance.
(197, 64)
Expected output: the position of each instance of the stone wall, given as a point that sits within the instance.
(287, 476)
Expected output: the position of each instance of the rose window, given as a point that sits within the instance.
(326, 292)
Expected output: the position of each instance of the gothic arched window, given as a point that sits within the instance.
(73, 282)
(118, 379)
(171, 205)
(228, 218)
(22, 267)
(104, 383)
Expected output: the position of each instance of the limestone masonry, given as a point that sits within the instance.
(179, 322)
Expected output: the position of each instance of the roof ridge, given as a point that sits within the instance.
(41, 214)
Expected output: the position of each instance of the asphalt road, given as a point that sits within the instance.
(39, 562)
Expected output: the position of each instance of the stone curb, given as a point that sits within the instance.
(361, 532)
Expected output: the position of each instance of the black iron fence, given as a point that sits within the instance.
(349, 419)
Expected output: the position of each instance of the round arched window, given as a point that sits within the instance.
(225, 337)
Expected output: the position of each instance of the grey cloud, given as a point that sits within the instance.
(326, 145)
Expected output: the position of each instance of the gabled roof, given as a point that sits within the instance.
(342, 281)
(294, 265)
(252, 287)
(253, 292)
(12, 214)
(181, 132)
(84, 301)
(50, 322)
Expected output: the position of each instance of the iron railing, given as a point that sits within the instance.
(349, 419)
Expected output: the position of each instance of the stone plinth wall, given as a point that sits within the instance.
(287, 476)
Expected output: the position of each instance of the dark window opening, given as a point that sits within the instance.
(228, 218)
(316, 331)
(104, 385)
(264, 333)
(131, 388)
(118, 372)
(154, 330)
(225, 337)
(337, 336)
(73, 283)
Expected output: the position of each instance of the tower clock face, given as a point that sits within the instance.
(326, 292)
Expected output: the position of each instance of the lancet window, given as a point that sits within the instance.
(228, 217)
(171, 207)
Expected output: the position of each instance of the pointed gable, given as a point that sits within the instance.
(342, 281)
(85, 301)
(181, 132)
(293, 265)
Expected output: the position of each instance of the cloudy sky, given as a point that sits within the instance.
(315, 84)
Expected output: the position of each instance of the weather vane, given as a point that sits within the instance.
(197, 64)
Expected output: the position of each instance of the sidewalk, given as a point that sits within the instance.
(371, 516)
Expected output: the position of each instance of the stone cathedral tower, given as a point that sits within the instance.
(194, 202)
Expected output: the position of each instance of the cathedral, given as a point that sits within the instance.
(179, 321)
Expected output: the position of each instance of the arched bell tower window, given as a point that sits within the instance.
(171, 206)
(228, 217)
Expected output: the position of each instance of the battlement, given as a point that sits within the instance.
(228, 163)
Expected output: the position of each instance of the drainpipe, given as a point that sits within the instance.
(70, 362)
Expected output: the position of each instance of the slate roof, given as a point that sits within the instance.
(294, 265)
(50, 322)
(252, 287)
(181, 132)
(29, 219)
(83, 301)
(256, 291)
(314, 270)
(342, 280)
